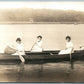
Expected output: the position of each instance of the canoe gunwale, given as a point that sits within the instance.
(43, 56)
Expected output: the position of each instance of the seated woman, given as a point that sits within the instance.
(69, 46)
(15, 50)
(37, 47)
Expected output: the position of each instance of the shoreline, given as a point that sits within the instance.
(75, 23)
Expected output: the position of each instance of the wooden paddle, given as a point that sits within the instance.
(33, 46)
(71, 62)
(21, 57)
(70, 57)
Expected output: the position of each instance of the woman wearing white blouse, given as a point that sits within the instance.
(16, 50)
(69, 46)
(37, 47)
(20, 50)
(19, 47)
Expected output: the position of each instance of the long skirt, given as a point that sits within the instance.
(67, 51)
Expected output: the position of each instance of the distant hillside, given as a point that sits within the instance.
(40, 15)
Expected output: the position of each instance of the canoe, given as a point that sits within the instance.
(43, 57)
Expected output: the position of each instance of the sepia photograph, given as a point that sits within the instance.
(42, 41)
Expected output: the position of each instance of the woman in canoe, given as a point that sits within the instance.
(14, 50)
(19, 47)
(69, 46)
(37, 47)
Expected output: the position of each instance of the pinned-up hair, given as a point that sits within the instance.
(39, 36)
(18, 39)
(68, 37)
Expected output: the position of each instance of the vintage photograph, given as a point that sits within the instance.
(42, 41)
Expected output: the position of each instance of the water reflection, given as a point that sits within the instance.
(49, 72)
(20, 73)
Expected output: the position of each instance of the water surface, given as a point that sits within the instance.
(49, 72)
(53, 39)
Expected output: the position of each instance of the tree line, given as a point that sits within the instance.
(40, 15)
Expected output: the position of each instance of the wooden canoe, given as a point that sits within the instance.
(43, 57)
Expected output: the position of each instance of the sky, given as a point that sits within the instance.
(62, 5)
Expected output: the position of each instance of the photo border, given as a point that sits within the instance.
(40, 0)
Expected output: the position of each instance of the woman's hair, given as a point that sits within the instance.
(18, 39)
(68, 37)
(39, 36)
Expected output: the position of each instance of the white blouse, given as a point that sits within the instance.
(69, 45)
(20, 47)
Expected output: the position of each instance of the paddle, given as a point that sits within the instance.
(71, 62)
(32, 46)
(21, 57)
(70, 57)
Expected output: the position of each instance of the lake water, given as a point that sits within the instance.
(53, 35)
(49, 72)
(53, 38)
